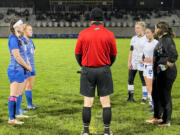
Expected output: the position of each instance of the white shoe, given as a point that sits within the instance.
(15, 121)
(22, 116)
(82, 133)
(109, 133)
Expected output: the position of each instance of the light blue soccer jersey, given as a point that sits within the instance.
(16, 43)
(30, 52)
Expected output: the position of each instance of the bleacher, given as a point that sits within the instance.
(116, 18)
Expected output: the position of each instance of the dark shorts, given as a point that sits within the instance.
(91, 78)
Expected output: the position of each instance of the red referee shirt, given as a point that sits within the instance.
(96, 44)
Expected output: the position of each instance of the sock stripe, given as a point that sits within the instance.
(13, 99)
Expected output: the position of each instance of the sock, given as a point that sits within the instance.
(131, 88)
(145, 93)
(18, 102)
(28, 94)
(86, 116)
(20, 96)
(12, 107)
(150, 100)
(107, 114)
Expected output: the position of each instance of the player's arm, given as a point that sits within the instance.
(20, 60)
(78, 51)
(130, 58)
(28, 62)
(113, 51)
(170, 53)
(130, 53)
(148, 60)
(34, 48)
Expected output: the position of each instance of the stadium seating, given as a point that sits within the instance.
(116, 18)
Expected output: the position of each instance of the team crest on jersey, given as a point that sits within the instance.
(96, 28)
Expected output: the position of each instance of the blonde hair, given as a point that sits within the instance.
(142, 24)
(25, 27)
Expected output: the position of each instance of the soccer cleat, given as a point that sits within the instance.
(111, 133)
(143, 101)
(149, 108)
(15, 121)
(21, 116)
(163, 124)
(153, 120)
(151, 111)
(32, 107)
(131, 97)
(22, 111)
(83, 133)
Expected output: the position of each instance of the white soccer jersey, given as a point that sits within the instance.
(149, 48)
(138, 46)
(148, 53)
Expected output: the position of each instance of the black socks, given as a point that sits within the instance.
(107, 114)
(86, 116)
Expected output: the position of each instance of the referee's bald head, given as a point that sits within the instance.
(97, 14)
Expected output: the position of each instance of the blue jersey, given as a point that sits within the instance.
(30, 52)
(16, 43)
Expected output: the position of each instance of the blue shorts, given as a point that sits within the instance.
(33, 73)
(16, 75)
(29, 74)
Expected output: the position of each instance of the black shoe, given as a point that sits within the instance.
(143, 101)
(131, 97)
(164, 124)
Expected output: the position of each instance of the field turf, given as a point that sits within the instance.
(56, 91)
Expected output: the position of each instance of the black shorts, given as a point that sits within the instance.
(92, 77)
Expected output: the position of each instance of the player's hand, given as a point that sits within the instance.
(170, 64)
(141, 61)
(29, 68)
(129, 65)
(148, 60)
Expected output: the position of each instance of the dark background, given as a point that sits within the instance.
(122, 4)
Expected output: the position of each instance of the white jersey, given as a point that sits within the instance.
(138, 46)
(148, 53)
(149, 48)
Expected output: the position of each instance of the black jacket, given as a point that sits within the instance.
(165, 51)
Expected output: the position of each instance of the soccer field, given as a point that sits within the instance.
(56, 91)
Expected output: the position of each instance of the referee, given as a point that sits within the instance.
(95, 53)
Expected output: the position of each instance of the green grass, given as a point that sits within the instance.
(56, 91)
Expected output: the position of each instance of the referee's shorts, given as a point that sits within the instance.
(92, 77)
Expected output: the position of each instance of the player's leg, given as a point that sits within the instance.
(166, 100)
(19, 112)
(105, 88)
(19, 98)
(107, 114)
(12, 100)
(28, 92)
(86, 114)
(87, 89)
(144, 89)
(156, 100)
(14, 87)
(149, 89)
(131, 77)
(16, 79)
